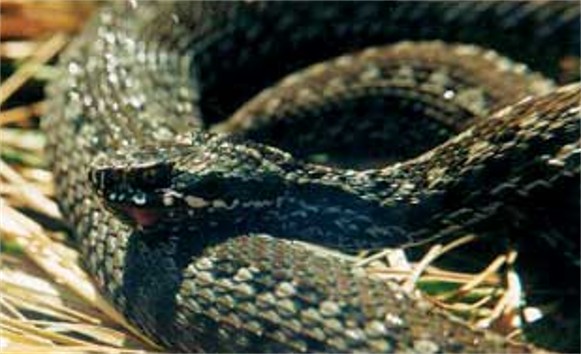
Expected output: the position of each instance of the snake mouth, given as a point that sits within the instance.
(136, 209)
(143, 218)
(154, 211)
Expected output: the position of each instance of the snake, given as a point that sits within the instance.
(222, 163)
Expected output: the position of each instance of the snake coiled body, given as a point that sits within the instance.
(190, 232)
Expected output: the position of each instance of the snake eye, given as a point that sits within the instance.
(153, 177)
(150, 175)
(210, 188)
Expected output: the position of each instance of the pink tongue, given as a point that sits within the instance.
(143, 217)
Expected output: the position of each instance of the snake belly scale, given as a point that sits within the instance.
(191, 232)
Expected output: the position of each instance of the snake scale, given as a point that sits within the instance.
(188, 196)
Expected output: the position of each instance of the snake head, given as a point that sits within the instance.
(155, 186)
(135, 183)
(216, 186)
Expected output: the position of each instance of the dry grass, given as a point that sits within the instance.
(49, 304)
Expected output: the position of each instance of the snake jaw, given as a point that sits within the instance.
(134, 187)
(142, 217)
(135, 207)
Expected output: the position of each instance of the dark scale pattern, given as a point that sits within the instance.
(399, 91)
(193, 234)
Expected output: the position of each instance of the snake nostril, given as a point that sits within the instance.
(101, 179)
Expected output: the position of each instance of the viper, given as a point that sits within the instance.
(221, 162)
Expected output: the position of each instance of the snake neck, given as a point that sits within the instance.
(225, 187)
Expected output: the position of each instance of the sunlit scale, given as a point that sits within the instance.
(193, 235)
